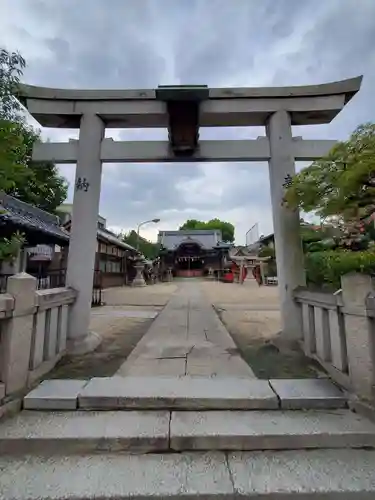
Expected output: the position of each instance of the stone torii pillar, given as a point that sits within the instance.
(286, 223)
(83, 235)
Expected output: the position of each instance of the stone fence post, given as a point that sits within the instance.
(16, 334)
(360, 332)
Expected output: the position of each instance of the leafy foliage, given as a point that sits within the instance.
(267, 252)
(9, 247)
(326, 268)
(11, 68)
(13, 169)
(42, 185)
(342, 183)
(318, 238)
(36, 183)
(227, 229)
(147, 248)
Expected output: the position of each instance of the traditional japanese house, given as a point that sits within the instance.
(43, 239)
(190, 253)
(114, 258)
(267, 241)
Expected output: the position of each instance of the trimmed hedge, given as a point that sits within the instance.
(324, 269)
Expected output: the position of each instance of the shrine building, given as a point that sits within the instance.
(190, 253)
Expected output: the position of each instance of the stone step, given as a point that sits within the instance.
(267, 430)
(297, 475)
(187, 393)
(84, 432)
(177, 393)
(151, 431)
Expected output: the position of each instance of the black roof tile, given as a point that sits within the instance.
(30, 218)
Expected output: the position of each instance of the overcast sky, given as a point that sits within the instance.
(144, 43)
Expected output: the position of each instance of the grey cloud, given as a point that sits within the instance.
(139, 191)
(142, 43)
(60, 48)
(96, 46)
(216, 39)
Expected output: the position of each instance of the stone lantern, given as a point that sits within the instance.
(139, 280)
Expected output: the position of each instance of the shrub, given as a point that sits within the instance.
(270, 267)
(267, 252)
(10, 247)
(324, 269)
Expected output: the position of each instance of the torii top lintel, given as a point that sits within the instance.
(312, 104)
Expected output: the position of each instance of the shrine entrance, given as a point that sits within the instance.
(183, 110)
(189, 261)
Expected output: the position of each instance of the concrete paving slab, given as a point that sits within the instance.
(208, 350)
(153, 367)
(54, 395)
(113, 313)
(298, 394)
(122, 476)
(187, 327)
(247, 307)
(177, 393)
(176, 348)
(83, 432)
(262, 430)
(315, 474)
(222, 365)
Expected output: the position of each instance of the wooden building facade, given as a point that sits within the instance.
(114, 259)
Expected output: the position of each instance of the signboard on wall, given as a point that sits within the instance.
(40, 252)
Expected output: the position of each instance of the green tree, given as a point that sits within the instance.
(226, 228)
(10, 247)
(36, 183)
(12, 65)
(147, 248)
(192, 224)
(318, 238)
(12, 147)
(341, 184)
(13, 171)
(41, 185)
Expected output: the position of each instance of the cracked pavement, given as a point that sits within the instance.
(186, 339)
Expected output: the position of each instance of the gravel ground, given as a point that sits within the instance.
(252, 316)
(122, 322)
(250, 313)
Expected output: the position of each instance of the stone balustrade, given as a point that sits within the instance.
(33, 332)
(339, 332)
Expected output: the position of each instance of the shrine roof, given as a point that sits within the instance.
(208, 239)
(103, 234)
(267, 239)
(108, 236)
(25, 217)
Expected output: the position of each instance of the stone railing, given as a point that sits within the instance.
(33, 332)
(339, 332)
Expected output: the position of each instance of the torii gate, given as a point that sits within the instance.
(183, 109)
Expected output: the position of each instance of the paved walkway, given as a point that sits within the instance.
(187, 338)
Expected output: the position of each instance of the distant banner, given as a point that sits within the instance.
(252, 236)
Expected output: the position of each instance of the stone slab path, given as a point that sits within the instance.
(313, 474)
(187, 338)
